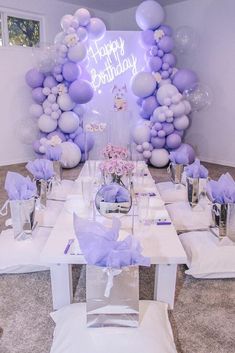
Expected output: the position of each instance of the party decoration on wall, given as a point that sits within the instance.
(119, 98)
(109, 61)
(61, 86)
(166, 95)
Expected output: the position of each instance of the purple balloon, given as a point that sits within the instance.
(155, 63)
(36, 146)
(185, 79)
(147, 37)
(34, 78)
(139, 101)
(166, 44)
(38, 95)
(144, 115)
(58, 133)
(81, 141)
(173, 141)
(169, 59)
(70, 71)
(153, 50)
(168, 128)
(158, 142)
(81, 91)
(157, 126)
(149, 104)
(50, 82)
(167, 30)
(179, 132)
(161, 133)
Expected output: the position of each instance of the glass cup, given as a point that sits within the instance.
(143, 207)
(87, 190)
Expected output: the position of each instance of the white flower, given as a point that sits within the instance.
(62, 89)
(158, 34)
(55, 140)
(71, 40)
(157, 77)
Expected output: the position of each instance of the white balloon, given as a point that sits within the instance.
(83, 16)
(66, 22)
(36, 110)
(143, 84)
(65, 102)
(178, 109)
(141, 134)
(71, 154)
(149, 15)
(187, 107)
(77, 53)
(186, 39)
(159, 157)
(165, 92)
(68, 122)
(181, 123)
(46, 124)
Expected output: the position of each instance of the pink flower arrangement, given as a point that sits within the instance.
(116, 167)
(115, 152)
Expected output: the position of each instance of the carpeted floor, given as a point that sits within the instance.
(203, 319)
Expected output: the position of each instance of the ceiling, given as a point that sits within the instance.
(114, 5)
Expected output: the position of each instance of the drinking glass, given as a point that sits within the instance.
(143, 207)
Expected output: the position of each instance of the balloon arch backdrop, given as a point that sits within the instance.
(61, 86)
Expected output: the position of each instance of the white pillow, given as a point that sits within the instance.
(208, 256)
(22, 256)
(185, 217)
(171, 192)
(154, 335)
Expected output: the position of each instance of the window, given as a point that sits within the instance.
(19, 29)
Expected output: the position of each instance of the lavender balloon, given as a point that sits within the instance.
(38, 95)
(85, 141)
(147, 37)
(34, 78)
(185, 79)
(155, 63)
(70, 71)
(81, 91)
(173, 141)
(149, 105)
(166, 44)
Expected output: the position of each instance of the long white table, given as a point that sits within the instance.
(159, 242)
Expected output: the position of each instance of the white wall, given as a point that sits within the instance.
(212, 131)
(15, 96)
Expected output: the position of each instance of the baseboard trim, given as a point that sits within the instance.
(217, 161)
(14, 161)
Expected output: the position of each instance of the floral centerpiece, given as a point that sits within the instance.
(116, 169)
(116, 152)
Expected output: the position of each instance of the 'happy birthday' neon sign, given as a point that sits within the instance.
(115, 63)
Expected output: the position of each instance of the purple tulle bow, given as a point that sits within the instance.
(100, 246)
(223, 190)
(41, 169)
(179, 157)
(115, 193)
(196, 170)
(53, 153)
(19, 187)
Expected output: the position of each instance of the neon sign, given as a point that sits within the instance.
(111, 57)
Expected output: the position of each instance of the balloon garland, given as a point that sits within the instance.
(164, 93)
(61, 86)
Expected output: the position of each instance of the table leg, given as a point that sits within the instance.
(61, 285)
(164, 286)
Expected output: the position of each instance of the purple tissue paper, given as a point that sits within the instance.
(19, 187)
(41, 169)
(100, 245)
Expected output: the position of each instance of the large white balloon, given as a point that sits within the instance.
(143, 84)
(68, 122)
(83, 16)
(65, 102)
(149, 15)
(77, 53)
(46, 124)
(141, 133)
(165, 93)
(71, 154)
(181, 123)
(36, 110)
(96, 28)
(159, 158)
